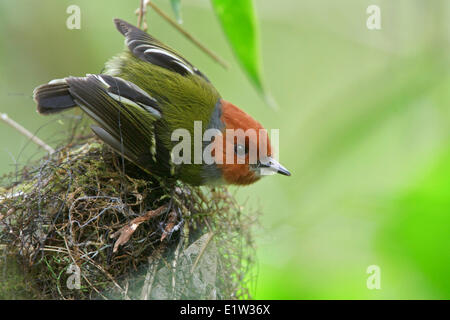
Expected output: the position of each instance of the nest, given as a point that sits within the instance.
(57, 217)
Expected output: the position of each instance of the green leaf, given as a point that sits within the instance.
(176, 7)
(238, 21)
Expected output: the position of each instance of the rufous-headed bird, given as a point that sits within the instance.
(146, 93)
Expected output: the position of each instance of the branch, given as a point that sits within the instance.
(141, 18)
(26, 133)
(141, 12)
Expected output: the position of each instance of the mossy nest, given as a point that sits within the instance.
(57, 217)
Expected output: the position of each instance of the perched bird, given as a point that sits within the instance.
(145, 94)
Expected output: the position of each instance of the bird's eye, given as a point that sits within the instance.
(240, 150)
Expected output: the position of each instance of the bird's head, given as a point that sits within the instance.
(247, 152)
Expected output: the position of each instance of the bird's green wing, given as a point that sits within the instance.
(125, 114)
(149, 49)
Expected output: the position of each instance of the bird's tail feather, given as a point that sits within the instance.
(126, 115)
(53, 97)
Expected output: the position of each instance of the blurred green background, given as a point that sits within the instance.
(364, 125)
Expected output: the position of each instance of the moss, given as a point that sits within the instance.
(58, 219)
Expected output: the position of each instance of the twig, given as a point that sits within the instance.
(149, 279)
(125, 232)
(141, 13)
(26, 133)
(174, 266)
(190, 37)
(202, 251)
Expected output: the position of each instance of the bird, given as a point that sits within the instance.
(149, 94)
(145, 94)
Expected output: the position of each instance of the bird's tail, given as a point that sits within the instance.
(126, 115)
(53, 97)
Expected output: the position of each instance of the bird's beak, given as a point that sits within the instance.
(271, 166)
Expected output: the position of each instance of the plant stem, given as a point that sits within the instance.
(26, 133)
(190, 37)
(140, 13)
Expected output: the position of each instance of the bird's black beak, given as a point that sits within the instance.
(271, 166)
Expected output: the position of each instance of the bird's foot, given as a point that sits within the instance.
(125, 232)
